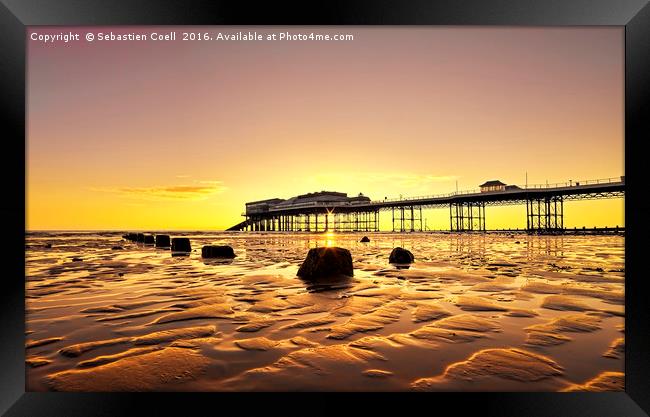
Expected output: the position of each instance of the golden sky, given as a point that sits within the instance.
(180, 134)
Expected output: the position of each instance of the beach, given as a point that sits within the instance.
(474, 312)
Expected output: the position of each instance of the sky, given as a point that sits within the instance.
(178, 135)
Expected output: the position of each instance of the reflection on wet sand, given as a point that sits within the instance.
(473, 312)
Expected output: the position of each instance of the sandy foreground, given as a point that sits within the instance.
(495, 312)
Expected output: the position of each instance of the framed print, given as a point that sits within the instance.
(434, 199)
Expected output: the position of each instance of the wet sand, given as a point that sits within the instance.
(495, 312)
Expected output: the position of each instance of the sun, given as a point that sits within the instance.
(330, 239)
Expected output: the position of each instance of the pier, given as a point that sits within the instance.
(333, 211)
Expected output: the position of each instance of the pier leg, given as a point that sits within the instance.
(451, 218)
(467, 217)
(456, 218)
(412, 220)
(483, 217)
(545, 215)
(376, 220)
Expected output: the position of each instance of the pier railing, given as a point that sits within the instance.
(572, 183)
(566, 184)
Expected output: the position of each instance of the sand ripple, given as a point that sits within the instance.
(606, 381)
(213, 311)
(514, 364)
(616, 349)
(146, 372)
(375, 320)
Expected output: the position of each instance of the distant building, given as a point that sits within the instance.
(512, 187)
(359, 199)
(491, 186)
(262, 206)
(309, 199)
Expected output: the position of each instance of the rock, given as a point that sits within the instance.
(140, 237)
(116, 248)
(149, 240)
(48, 245)
(401, 256)
(77, 259)
(210, 251)
(181, 244)
(162, 241)
(326, 262)
(365, 239)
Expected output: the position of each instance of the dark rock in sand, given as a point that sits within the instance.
(116, 248)
(217, 252)
(181, 244)
(365, 239)
(162, 241)
(48, 245)
(401, 256)
(326, 262)
(140, 237)
(149, 240)
(77, 259)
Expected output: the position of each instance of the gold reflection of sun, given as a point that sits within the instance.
(329, 239)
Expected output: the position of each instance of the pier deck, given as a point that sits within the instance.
(316, 212)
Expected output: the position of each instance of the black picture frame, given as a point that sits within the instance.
(16, 15)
